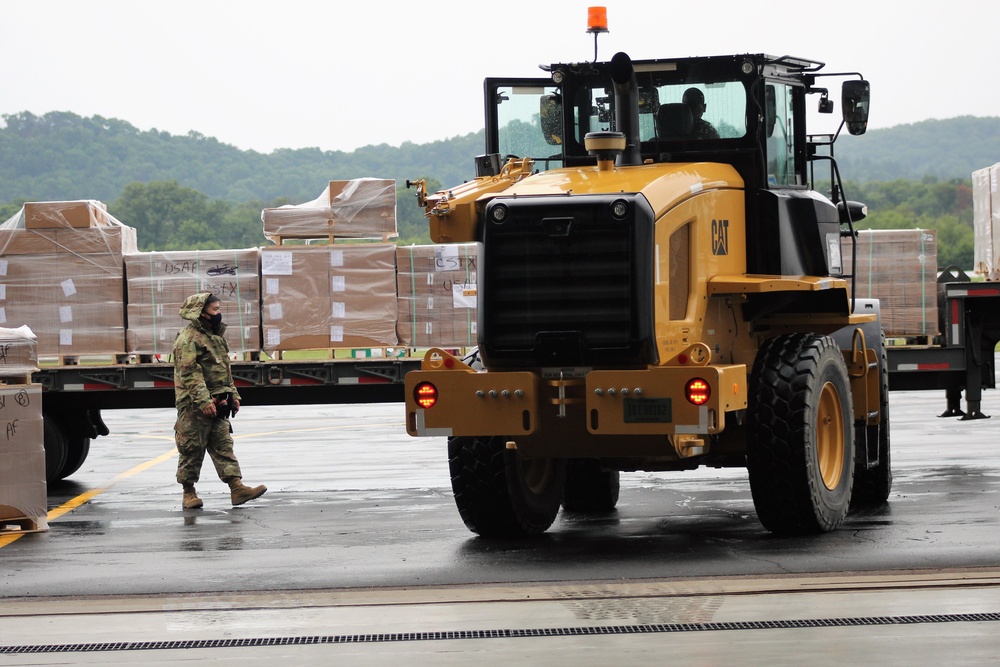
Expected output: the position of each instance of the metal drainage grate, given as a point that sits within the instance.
(503, 634)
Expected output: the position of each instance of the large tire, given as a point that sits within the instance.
(56, 449)
(498, 494)
(589, 488)
(77, 450)
(872, 485)
(800, 435)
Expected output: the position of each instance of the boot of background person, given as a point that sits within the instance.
(191, 500)
(242, 493)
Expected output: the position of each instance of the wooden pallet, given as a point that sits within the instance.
(903, 340)
(20, 524)
(20, 378)
(331, 239)
(389, 352)
(83, 360)
(168, 358)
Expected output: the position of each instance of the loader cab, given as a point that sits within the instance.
(751, 114)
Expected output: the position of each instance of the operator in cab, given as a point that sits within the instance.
(702, 129)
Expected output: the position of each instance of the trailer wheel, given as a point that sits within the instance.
(77, 450)
(56, 449)
(800, 436)
(589, 488)
(872, 485)
(498, 493)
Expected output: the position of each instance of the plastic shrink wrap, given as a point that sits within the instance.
(437, 289)
(62, 274)
(159, 282)
(328, 296)
(23, 500)
(358, 208)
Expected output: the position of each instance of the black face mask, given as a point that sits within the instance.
(214, 320)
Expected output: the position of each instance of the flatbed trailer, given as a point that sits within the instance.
(74, 396)
(962, 358)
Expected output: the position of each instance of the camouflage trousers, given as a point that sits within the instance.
(195, 433)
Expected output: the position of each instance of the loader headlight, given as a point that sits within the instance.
(697, 391)
(426, 395)
(498, 213)
(619, 209)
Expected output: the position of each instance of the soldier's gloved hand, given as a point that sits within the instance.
(209, 410)
(235, 406)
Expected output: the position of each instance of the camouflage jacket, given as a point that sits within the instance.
(201, 359)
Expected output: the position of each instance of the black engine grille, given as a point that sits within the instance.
(562, 282)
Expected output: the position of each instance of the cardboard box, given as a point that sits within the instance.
(74, 304)
(63, 214)
(986, 221)
(358, 208)
(23, 491)
(898, 267)
(113, 241)
(440, 258)
(27, 242)
(437, 286)
(18, 352)
(152, 328)
(158, 283)
(71, 330)
(229, 274)
(333, 296)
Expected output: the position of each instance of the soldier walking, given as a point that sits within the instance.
(206, 397)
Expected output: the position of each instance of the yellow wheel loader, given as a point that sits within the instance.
(660, 288)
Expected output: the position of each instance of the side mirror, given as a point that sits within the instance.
(550, 117)
(852, 211)
(855, 96)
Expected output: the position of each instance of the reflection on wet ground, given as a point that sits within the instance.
(353, 501)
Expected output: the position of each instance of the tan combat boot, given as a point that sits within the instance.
(242, 493)
(191, 500)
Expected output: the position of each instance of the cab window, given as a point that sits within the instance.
(529, 123)
(780, 131)
(697, 111)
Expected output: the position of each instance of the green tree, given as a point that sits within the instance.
(943, 206)
(167, 215)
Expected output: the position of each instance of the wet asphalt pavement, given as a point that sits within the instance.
(355, 503)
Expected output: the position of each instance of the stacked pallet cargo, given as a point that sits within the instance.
(986, 221)
(61, 272)
(159, 282)
(899, 267)
(23, 500)
(320, 292)
(437, 288)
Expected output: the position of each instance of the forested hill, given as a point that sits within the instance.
(941, 149)
(64, 156)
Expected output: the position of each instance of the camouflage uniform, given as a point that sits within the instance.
(704, 130)
(201, 371)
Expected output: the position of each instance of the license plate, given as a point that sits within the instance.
(647, 411)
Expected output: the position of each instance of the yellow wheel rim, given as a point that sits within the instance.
(830, 436)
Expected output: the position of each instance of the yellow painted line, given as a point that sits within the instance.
(71, 505)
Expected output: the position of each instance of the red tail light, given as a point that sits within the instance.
(425, 394)
(697, 391)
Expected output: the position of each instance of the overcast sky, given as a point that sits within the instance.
(338, 75)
